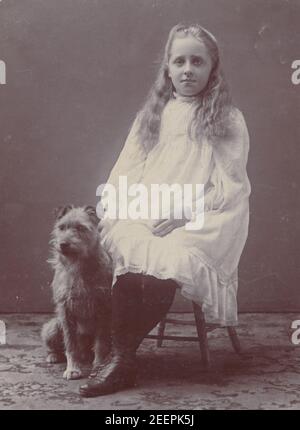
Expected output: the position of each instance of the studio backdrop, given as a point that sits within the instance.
(73, 75)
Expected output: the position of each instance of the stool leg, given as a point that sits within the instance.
(234, 340)
(160, 333)
(202, 334)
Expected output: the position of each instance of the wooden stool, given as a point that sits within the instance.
(202, 330)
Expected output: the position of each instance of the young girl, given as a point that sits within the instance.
(188, 132)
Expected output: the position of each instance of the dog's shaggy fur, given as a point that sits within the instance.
(80, 331)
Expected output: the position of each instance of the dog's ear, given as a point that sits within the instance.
(61, 211)
(91, 211)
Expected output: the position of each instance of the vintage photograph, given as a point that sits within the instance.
(149, 186)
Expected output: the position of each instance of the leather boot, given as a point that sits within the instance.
(136, 311)
(158, 296)
(120, 372)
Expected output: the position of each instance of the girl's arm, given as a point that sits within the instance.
(130, 164)
(231, 186)
(131, 159)
(231, 155)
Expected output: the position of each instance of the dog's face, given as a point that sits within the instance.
(75, 232)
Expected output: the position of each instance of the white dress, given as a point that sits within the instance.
(204, 262)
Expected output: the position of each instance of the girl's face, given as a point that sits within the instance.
(189, 65)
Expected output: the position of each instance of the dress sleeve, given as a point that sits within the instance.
(131, 159)
(223, 234)
(230, 156)
(130, 164)
(227, 183)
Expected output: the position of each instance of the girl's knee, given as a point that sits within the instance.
(128, 283)
(159, 290)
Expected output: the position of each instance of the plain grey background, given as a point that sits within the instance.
(78, 71)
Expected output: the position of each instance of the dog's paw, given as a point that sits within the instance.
(72, 374)
(53, 358)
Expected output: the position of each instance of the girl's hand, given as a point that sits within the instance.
(101, 225)
(104, 225)
(162, 227)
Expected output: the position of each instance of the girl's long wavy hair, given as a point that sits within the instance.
(212, 106)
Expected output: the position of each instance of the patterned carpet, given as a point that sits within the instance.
(171, 377)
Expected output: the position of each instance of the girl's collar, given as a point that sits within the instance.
(187, 99)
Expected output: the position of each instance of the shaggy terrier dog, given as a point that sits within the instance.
(80, 331)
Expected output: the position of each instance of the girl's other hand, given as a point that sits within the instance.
(162, 227)
(104, 225)
(100, 225)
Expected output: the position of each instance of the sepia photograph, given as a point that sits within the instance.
(149, 187)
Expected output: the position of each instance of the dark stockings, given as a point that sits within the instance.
(139, 303)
